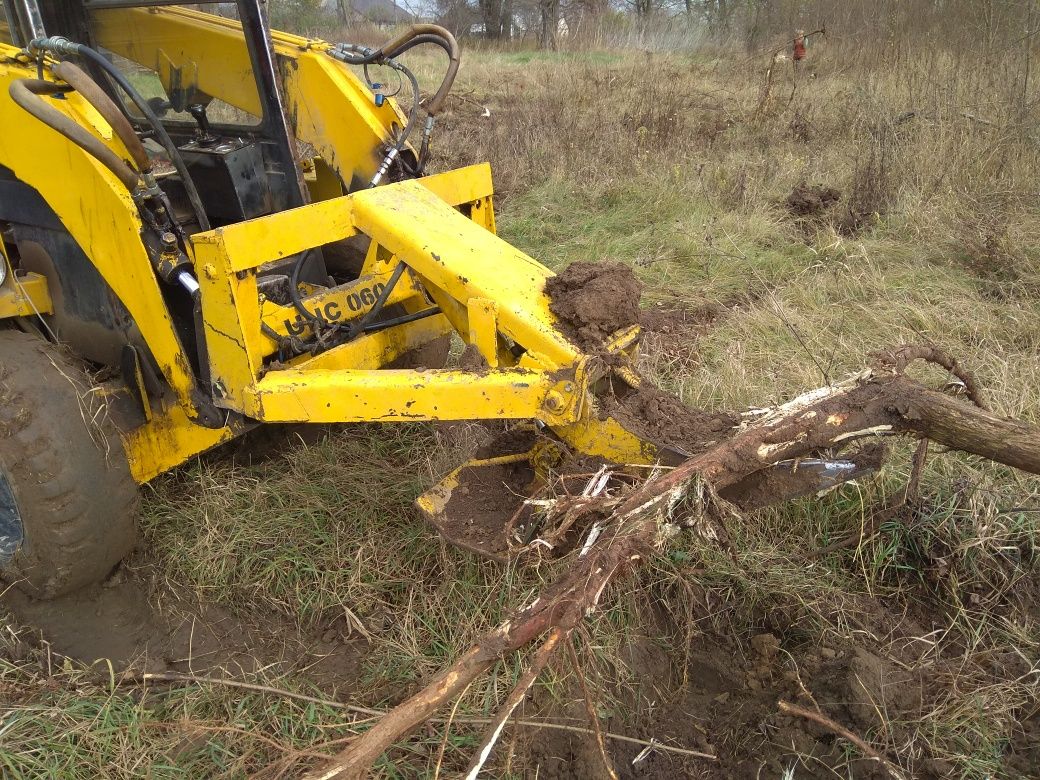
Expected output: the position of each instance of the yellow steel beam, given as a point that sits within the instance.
(483, 328)
(231, 318)
(389, 395)
(378, 349)
(465, 261)
(25, 295)
(268, 239)
(471, 184)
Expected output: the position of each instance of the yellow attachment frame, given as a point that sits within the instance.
(451, 260)
(441, 229)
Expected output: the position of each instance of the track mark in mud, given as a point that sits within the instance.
(141, 625)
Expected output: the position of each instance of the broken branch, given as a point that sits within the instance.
(877, 402)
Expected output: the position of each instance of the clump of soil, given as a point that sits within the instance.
(663, 419)
(472, 360)
(487, 496)
(812, 200)
(481, 505)
(592, 301)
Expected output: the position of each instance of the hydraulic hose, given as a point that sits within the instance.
(89, 89)
(26, 93)
(427, 32)
(63, 46)
(414, 36)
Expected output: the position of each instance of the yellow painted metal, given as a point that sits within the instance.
(470, 185)
(98, 213)
(331, 109)
(231, 317)
(435, 500)
(607, 438)
(455, 255)
(379, 349)
(227, 259)
(483, 328)
(449, 252)
(253, 243)
(24, 296)
(169, 439)
(399, 395)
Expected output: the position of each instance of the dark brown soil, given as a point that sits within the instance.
(485, 499)
(592, 301)
(138, 622)
(717, 692)
(812, 200)
(668, 321)
(472, 360)
(663, 419)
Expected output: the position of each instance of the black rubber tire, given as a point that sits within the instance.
(65, 464)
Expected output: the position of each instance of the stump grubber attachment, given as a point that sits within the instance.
(235, 227)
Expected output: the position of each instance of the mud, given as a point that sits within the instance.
(488, 496)
(139, 623)
(671, 321)
(662, 418)
(812, 200)
(592, 301)
(723, 700)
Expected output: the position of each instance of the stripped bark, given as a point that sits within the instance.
(878, 402)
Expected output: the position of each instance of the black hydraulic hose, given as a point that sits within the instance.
(67, 47)
(26, 93)
(400, 44)
(419, 40)
(294, 290)
(413, 111)
(414, 36)
(402, 320)
(360, 325)
(162, 136)
(77, 78)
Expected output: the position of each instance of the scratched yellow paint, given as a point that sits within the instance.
(442, 228)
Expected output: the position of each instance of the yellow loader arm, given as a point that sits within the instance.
(215, 330)
(452, 268)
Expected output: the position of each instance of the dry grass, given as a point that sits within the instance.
(674, 165)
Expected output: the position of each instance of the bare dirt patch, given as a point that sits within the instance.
(812, 200)
(592, 301)
(662, 418)
(140, 624)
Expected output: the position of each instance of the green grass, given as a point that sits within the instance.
(660, 163)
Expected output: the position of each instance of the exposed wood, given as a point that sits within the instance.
(877, 403)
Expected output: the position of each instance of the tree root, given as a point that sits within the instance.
(822, 720)
(699, 494)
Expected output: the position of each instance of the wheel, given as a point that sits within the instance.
(67, 500)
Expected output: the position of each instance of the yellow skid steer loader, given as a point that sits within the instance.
(208, 226)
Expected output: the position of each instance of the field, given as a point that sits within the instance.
(784, 226)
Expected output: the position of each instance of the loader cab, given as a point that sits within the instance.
(221, 107)
(224, 111)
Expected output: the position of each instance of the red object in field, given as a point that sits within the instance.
(799, 48)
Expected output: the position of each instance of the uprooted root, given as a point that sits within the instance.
(628, 522)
